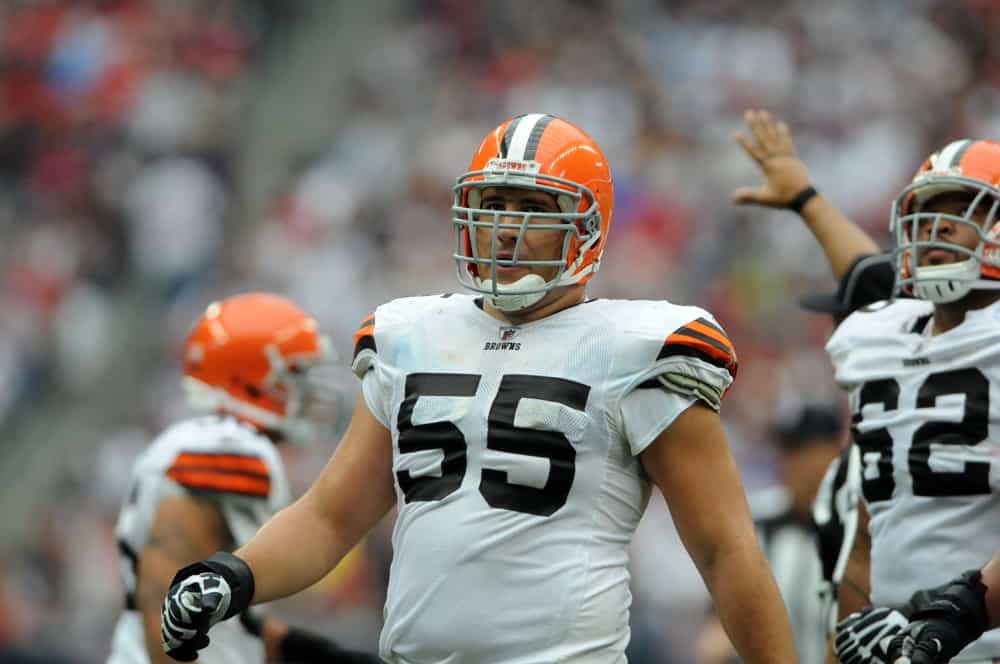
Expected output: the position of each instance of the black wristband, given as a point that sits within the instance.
(801, 198)
(231, 568)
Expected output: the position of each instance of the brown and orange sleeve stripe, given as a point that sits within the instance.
(225, 473)
(365, 336)
(704, 340)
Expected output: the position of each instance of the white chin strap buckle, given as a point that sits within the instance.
(511, 297)
(942, 292)
(945, 283)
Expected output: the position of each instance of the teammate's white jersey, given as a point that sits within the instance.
(221, 460)
(927, 421)
(514, 454)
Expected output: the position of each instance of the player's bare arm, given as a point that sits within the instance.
(349, 497)
(991, 579)
(786, 177)
(186, 529)
(692, 465)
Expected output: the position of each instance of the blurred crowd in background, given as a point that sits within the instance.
(158, 154)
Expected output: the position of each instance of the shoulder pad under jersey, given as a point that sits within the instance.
(388, 320)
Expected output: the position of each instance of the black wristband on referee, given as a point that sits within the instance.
(231, 568)
(801, 198)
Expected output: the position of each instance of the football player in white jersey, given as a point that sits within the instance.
(518, 430)
(208, 483)
(865, 276)
(923, 377)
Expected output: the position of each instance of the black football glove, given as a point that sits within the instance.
(863, 636)
(946, 619)
(201, 595)
(302, 647)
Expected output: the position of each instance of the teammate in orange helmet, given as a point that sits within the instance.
(921, 376)
(209, 482)
(518, 429)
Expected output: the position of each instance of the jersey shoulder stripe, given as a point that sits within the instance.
(364, 338)
(226, 473)
(704, 340)
(392, 321)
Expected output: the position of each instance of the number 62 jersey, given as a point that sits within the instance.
(516, 471)
(926, 418)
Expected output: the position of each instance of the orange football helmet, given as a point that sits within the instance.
(549, 154)
(967, 166)
(250, 356)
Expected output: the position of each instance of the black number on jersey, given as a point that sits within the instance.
(443, 436)
(973, 479)
(877, 441)
(502, 435)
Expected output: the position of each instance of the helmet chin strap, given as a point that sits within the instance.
(942, 284)
(513, 298)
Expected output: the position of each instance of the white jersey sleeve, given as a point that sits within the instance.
(680, 355)
(376, 376)
(646, 413)
(220, 460)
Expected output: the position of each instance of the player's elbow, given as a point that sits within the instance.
(728, 553)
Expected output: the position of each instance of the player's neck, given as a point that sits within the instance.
(569, 296)
(950, 315)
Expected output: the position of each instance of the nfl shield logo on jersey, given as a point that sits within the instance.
(505, 343)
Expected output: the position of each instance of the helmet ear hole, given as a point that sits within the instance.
(252, 391)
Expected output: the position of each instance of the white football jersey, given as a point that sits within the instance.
(927, 421)
(219, 459)
(517, 480)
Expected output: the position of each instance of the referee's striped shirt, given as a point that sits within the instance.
(789, 543)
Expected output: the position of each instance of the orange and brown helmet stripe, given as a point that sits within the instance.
(522, 136)
(364, 338)
(704, 340)
(225, 473)
(967, 158)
